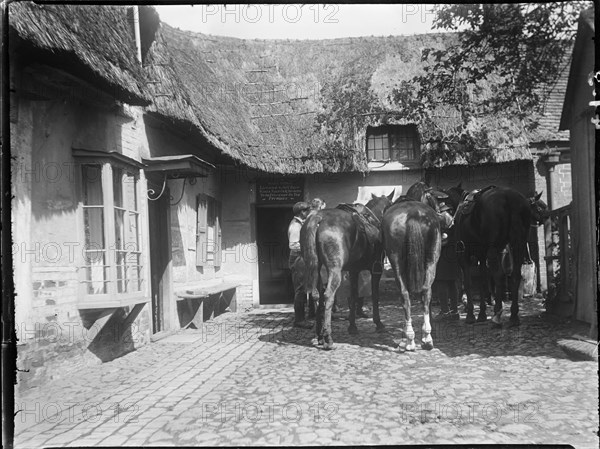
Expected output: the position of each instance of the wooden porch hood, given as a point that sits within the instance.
(180, 166)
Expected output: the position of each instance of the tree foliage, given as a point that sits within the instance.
(506, 59)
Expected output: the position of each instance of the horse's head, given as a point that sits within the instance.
(455, 196)
(539, 209)
(377, 204)
(421, 191)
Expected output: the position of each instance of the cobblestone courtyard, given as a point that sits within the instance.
(252, 379)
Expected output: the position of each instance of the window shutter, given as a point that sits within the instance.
(201, 234)
(217, 233)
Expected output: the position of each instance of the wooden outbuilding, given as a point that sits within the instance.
(580, 117)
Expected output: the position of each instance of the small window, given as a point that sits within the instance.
(393, 143)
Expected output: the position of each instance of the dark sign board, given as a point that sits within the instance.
(283, 190)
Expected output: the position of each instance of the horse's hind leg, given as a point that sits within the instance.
(375, 279)
(320, 306)
(514, 278)
(352, 302)
(468, 286)
(334, 279)
(427, 341)
(405, 300)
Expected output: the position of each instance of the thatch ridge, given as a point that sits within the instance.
(96, 39)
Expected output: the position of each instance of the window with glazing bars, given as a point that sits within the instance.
(393, 143)
(111, 222)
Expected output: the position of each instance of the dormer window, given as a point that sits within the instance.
(393, 143)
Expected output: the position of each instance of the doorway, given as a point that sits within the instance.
(274, 276)
(160, 257)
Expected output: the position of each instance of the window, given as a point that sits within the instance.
(208, 232)
(113, 268)
(393, 143)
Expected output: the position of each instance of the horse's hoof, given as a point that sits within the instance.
(427, 345)
(303, 324)
(496, 324)
(352, 330)
(361, 314)
(316, 342)
(328, 346)
(481, 318)
(514, 322)
(380, 328)
(470, 319)
(411, 347)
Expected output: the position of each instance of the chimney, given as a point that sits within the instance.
(136, 31)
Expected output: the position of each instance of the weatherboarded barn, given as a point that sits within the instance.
(577, 118)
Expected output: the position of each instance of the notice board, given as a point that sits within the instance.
(279, 190)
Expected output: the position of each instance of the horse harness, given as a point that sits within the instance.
(464, 209)
(360, 218)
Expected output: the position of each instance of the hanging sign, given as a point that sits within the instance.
(282, 190)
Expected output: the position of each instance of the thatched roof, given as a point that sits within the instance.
(94, 42)
(290, 106)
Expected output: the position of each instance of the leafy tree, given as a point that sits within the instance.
(521, 44)
(504, 61)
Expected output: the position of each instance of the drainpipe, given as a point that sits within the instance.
(136, 30)
(551, 160)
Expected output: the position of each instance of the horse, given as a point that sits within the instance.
(421, 191)
(343, 239)
(412, 240)
(492, 226)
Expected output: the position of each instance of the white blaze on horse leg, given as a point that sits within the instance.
(427, 330)
(497, 318)
(410, 336)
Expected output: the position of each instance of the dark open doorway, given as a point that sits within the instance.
(275, 280)
(160, 257)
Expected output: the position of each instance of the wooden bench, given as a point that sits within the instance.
(212, 301)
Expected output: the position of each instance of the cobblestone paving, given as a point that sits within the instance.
(252, 379)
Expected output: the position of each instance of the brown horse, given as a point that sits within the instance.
(421, 191)
(491, 232)
(412, 241)
(343, 240)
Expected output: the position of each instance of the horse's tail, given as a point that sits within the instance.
(308, 243)
(416, 256)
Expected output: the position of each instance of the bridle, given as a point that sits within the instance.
(533, 204)
(372, 214)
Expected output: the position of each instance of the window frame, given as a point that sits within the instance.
(112, 298)
(205, 204)
(393, 134)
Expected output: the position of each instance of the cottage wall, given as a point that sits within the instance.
(354, 187)
(238, 256)
(47, 250)
(239, 249)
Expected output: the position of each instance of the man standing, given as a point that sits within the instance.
(296, 264)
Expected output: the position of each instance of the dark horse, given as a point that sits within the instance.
(492, 227)
(412, 240)
(343, 240)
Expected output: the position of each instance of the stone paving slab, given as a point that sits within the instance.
(253, 379)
